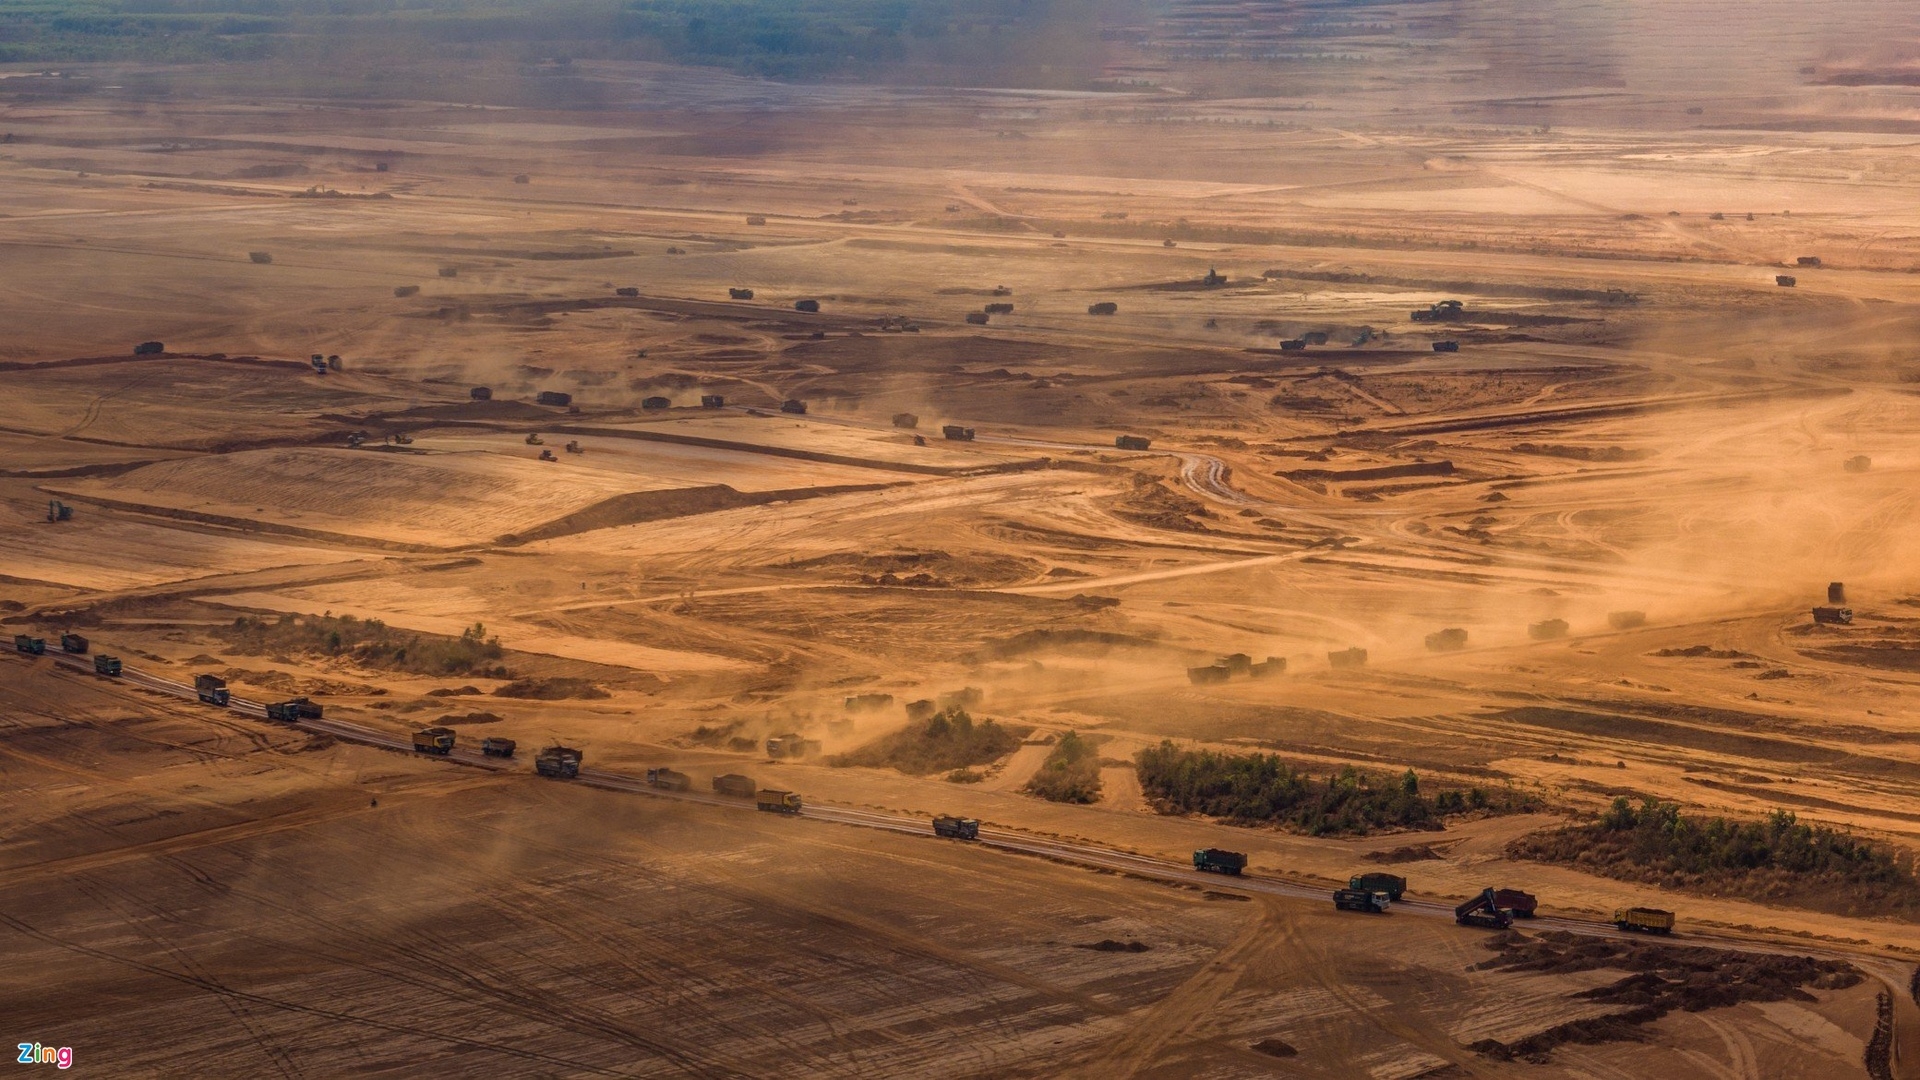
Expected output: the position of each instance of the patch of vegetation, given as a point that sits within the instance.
(946, 741)
(1263, 788)
(551, 689)
(965, 776)
(1071, 774)
(369, 643)
(1775, 858)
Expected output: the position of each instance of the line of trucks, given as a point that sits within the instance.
(1372, 892)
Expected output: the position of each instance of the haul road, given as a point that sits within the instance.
(1087, 855)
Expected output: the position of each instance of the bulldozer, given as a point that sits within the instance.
(534, 439)
(547, 455)
(574, 447)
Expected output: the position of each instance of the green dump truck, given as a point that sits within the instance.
(31, 645)
(1219, 861)
(106, 665)
(1393, 885)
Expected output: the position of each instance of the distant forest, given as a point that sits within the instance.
(1031, 42)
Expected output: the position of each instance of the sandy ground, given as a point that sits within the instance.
(1638, 418)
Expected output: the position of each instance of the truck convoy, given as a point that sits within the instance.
(212, 689)
(776, 801)
(558, 761)
(1645, 920)
(957, 828)
(434, 740)
(1219, 861)
(1482, 911)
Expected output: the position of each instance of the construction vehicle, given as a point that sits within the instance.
(806, 305)
(739, 294)
(976, 318)
(1446, 346)
(149, 348)
(1348, 658)
(1316, 337)
(449, 271)
(712, 401)
(919, 440)
(1373, 903)
(73, 643)
(319, 363)
(656, 403)
(261, 258)
(285, 711)
(32, 646)
(547, 455)
(1548, 629)
(733, 785)
(553, 397)
(58, 511)
(434, 740)
(212, 689)
(629, 292)
(106, 665)
(1104, 307)
(574, 447)
(1131, 442)
(481, 393)
(1393, 885)
(1215, 860)
(1268, 668)
(867, 702)
(794, 406)
(999, 309)
(669, 780)
(1785, 281)
(1237, 663)
(1807, 260)
(1483, 912)
(957, 828)
(1168, 244)
(775, 801)
(1644, 920)
(1447, 640)
(404, 291)
(1293, 345)
(495, 746)
(1212, 673)
(1835, 616)
(905, 420)
(401, 438)
(308, 709)
(533, 439)
(793, 746)
(1521, 905)
(355, 439)
(333, 361)
(558, 761)
(957, 433)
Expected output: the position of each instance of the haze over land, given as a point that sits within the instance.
(1681, 238)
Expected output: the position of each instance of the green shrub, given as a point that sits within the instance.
(943, 742)
(1071, 773)
(370, 643)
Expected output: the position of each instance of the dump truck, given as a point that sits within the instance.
(106, 665)
(957, 433)
(734, 786)
(867, 702)
(739, 294)
(1836, 616)
(957, 828)
(1447, 640)
(1348, 658)
(1393, 885)
(73, 643)
(1481, 911)
(1785, 281)
(794, 406)
(1215, 860)
(284, 711)
(1446, 346)
(1237, 663)
(1104, 307)
(260, 257)
(669, 780)
(1836, 593)
(1293, 344)
(656, 402)
(149, 348)
(573, 447)
(1807, 260)
(776, 801)
(309, 709)
(712, 401)
(58, 511)
(434, 740)
(481, 393)
(212, 689)
(1373, 903)
(629, 292)
(1211, 673)
(793, 746)
(1521, 905)
(553, 397)
(403, 291)
(976, 318)
(495, 746)
(998, 309)
(905, 420)
(534, 439)
(1268, 668)
(319, 363)
(1645, 920)
(558, 761)
(29, 644)
(806, 305)
(1548, 629)
(547, 455)
(1131, 442)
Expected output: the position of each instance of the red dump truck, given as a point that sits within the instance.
(1521, 905)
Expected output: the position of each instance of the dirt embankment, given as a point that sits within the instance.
(639, 506)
